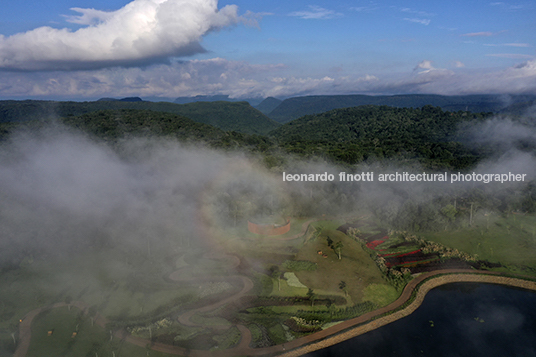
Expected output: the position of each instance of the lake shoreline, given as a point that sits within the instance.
(421, 285)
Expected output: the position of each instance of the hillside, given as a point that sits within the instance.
(111, 125)
(354, 134)
(268, 105)
(294, 108)
(236, 116)
(520, 109)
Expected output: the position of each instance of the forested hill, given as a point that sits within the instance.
(426, 135)
(235, 116)
(296, 107)
(354, 134)
(268, 105)
(113, 125)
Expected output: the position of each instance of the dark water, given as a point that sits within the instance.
(462, 319)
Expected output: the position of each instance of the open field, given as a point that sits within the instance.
(509, 240)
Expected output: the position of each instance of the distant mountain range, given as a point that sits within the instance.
(293, 108)
(127, 99)
(216, 98)
(348, 135)
(229, 115)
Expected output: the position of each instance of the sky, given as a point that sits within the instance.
(163, 49)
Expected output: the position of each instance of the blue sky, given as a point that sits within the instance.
(168, 48)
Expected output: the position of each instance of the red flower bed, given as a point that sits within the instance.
(375, 243)
(395, 255)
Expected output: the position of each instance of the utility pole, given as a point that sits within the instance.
(471, 216)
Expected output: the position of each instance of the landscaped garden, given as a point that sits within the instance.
(249, 291)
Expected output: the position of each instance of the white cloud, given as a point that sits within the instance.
(316, 12)
(426, 65)
(245, 80)
(425, 22)
(507, 44)
(508, 6)
(141, 32)
(478, 34)
(89, 16)
(510, 55)
(416, 12)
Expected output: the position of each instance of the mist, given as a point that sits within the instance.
(63, 192)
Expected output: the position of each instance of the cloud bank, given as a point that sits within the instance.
(240, 79)
(142, 32)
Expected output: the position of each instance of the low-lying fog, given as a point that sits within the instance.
(62, 192)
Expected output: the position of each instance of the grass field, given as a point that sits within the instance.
(355, 266)
(89, 340)
(509, 240)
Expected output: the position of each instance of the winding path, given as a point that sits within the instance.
(330, 336)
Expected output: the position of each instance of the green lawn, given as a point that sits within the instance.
(508, 240)
(355, 266)
(89, 340)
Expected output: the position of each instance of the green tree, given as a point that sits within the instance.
(330, 241)
(337, 248)
(276, 274)
(450, 212)
(312, 296)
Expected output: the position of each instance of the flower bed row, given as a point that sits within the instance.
(411, 263)
(373, 244)
(395, 255)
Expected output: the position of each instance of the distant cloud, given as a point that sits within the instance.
(423, 16)
(458, 64)
(416, 12)
(426, 65)
(373, 6)
(509, 6)
(316, 12)
(477, 34)
(240, 79)
(508, 44)
(141, 32)
(510, 55)
(425, 22)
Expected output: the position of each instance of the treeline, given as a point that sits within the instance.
(231, 116)
(454, 211)
(294, 108)
(112, 125)
(354, 135)
(427, 137)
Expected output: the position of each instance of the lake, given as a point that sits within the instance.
(460, 319)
